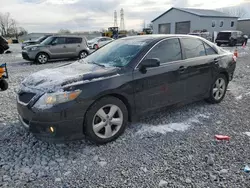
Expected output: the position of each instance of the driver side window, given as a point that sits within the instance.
(167, 51)
(59, 40)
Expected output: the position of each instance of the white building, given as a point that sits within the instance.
(186, 20)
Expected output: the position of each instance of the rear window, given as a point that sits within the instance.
(74, 40)
(224, 35)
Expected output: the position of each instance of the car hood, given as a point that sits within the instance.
(56, 79)
(31, 42)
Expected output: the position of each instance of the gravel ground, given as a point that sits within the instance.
(168, 148)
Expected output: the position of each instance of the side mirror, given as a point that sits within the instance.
(148, 63)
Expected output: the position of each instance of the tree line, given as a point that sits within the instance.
(9, 27)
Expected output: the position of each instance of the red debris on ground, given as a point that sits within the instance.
(222, 137)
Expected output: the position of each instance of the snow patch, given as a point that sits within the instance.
(247, 133)
(239, 97)
(171, 127)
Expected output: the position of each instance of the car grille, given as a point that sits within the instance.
(26, 97)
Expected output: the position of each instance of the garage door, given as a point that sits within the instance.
(164, 28)
(182, 27)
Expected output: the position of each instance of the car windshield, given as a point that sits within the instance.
(95, 39)
(118, 53)
(40, 39)
(48, 40)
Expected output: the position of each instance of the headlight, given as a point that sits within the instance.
(34, 48)
(50, 99)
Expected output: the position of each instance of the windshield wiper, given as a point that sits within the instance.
(96, 64)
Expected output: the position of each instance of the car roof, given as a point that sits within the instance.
(157, 36)
(68, 36)
(229, 31)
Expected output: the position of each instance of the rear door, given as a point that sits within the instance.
(73, 44)
(58, 47)
(163, 85)
(200, 61)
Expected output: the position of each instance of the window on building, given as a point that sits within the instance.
(193, 47)
(232, 23)
(209, 49)
(167, 51)
(221, 23)
(213, 23)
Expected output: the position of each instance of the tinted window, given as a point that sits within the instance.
(232, 23)
(73, 40)
(193, 47)
(167, 51)
(59, 40)
(209, 49)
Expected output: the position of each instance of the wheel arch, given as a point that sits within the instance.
(118, 96)
(43, 52)
(226, 74)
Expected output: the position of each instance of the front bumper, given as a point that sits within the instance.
(222, 41)
(30, 56)
(66, 119)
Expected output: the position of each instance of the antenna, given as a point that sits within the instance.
(122, 24)
(115, 19)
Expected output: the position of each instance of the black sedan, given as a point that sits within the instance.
(121, 81)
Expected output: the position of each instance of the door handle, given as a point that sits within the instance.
(216, 61)
(79, 46)
(64, 46)
(182, 69)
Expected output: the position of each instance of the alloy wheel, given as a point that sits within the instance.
(42, 58)
(83, 55)
(219, 88)
(107, 121)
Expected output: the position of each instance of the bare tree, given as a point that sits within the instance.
(234, 11)
(64, 31)
(9, 27)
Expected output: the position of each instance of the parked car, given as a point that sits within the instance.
(232, 38)
(33, 42)
(3, 45)
(121, 81)
(99, 42)
(205, 35)
(57, 47)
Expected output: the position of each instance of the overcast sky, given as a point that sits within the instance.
(84, 15)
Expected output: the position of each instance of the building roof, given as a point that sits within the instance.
(199, 12)
(244, 19)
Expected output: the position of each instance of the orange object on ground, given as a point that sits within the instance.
(244, 45)
(222, 137)
(236, 52)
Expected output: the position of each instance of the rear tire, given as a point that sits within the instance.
(42, 58)
(83, 54)
(218, 89)
(3, 85)
(1, 50)
(104, 125)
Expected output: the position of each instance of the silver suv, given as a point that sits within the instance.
(57, 47)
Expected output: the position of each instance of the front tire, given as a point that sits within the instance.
(3, 85)
(42, 58)
(106, 120)
(218, 89)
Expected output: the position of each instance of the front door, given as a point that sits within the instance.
(58, 48)
(160, 86)
(200, 60)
